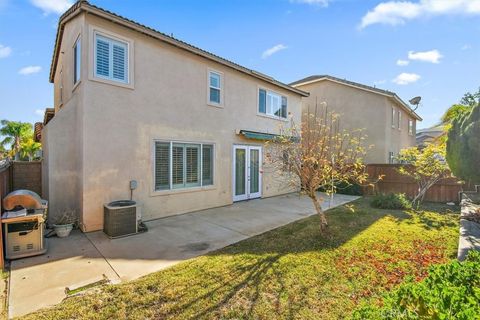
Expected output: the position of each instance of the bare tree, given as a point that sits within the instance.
(317, 154)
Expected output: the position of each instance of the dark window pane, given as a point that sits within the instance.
(214, 95)
(262, 101)
(284, 107)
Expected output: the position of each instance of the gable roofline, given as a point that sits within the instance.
(386, 93)
(84, 6)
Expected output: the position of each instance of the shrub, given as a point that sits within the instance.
(352, 189)
(463, 146)
(450, 291)
(391, 201)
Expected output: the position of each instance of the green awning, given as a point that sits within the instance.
(258, 135)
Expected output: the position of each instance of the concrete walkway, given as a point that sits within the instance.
(82, 259)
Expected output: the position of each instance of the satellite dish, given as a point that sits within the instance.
(415, 101)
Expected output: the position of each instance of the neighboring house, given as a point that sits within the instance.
(388, 122)
(38, 127)
(132, 103)
(429, 135)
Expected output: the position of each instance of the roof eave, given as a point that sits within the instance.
(85, 6)
(383, 93)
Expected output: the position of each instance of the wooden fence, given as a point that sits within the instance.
(27, 175)
(5, 180)
(5, 188)
(446, 190)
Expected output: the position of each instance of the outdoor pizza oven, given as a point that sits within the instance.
(24, 224)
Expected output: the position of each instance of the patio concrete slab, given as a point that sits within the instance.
(167, 242)
(82, 259)
(40, 281)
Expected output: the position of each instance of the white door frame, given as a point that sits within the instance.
(247, 195)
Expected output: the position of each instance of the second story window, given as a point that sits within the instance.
(272, 104)
(399, 119)
(77, 52)
(111, 59)
(215, 87)
(393, 117)
(410, 127)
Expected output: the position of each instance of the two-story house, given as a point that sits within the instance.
(387, 121)
(132, 103)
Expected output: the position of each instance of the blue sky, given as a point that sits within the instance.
(437, 42)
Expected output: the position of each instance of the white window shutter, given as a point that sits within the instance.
(162, 166)
(119, 62)
(102, 56)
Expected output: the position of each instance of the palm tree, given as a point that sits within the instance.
(15, 132)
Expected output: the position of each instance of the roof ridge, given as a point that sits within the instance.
(189, 46)
(388, 93)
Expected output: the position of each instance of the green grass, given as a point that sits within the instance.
(289, 273)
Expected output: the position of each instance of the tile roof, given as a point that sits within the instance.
(49, 114)
(391, 94)
(86, 6)
(356, 84)
(37, 133)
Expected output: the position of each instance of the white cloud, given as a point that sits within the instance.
(402, 63)
(406, 78)
(466, 47)
(52, 6)
(40, 112)
(432, 56)
(5, 51)
(398, 12)
(30, 70)
(267, 53)
(321, 3)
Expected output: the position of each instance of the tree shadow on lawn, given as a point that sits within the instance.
(269, 258)
(291, 272)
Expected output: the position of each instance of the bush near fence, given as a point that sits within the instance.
(446, 190)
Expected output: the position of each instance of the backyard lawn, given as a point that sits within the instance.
(290, 272)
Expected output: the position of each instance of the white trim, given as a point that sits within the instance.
(94, 30)
(78, 41)
(247, 195)
(259, 87)
(171, 189)
(221, 75)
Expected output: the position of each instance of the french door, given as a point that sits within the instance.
(247, 172)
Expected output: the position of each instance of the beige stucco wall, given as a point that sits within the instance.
(167, 100)
(360, 109)
(62, 137)
(62, 159)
